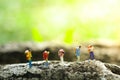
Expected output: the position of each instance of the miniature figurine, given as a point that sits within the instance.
(77, 51)
(61, 55)
(28, 57)
(90, 50)
(45, 57)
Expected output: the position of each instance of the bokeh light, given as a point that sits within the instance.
(59, 20)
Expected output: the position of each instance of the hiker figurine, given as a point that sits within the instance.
(90, 50)
(77, 51)
(28, 57)
(61, 55)
(45, 57)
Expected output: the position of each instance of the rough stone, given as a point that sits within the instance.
(85, 70)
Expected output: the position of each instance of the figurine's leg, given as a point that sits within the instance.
(30, 63)
(78, 58)
(46, 63)
(62, 60)
(92, 55)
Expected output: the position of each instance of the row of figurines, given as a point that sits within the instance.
(60, 54)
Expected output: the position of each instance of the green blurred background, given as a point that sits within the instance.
(66, 21)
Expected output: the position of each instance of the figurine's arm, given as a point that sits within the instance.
(30, 54)
(48, 52)
(92, 48)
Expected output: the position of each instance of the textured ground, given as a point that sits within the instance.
(85, 70)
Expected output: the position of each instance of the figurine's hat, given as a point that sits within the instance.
(61, 50)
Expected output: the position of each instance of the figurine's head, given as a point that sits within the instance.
(79, 46)
(45, 51)
(89, 46)
(28, 49)
(61, 50)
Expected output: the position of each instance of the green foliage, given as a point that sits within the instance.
(62, 20)
(36, 35)
(69, 35)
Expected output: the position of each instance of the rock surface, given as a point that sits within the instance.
(85, 70)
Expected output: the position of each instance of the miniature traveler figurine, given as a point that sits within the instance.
(28, 57)
(61, 55)
(90, 50)
(45, 57)
(77, 51)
